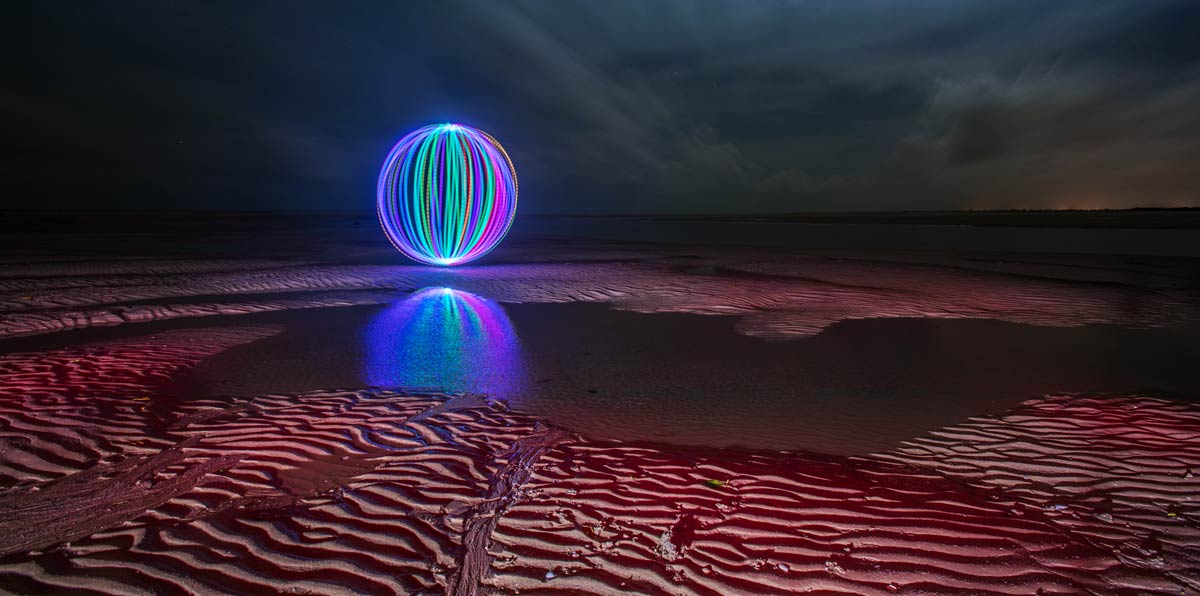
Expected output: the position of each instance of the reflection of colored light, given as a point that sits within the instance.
(444, 339)
(447, 194)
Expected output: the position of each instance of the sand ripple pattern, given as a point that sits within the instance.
(113, 485)
(775, 296)
(1122, 473)
(1012, 505)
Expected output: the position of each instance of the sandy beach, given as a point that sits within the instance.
(589, 417)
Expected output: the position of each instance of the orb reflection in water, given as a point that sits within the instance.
(445, 339)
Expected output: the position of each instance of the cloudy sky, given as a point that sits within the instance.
(614, 107)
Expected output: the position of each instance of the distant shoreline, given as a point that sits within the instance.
(26, 220)
(1138, 218)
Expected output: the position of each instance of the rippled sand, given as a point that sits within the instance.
(123, 470)
(113, 486)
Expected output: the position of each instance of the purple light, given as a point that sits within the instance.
(444, 339)
(447, 194)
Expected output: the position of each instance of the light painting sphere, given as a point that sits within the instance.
(447, 194)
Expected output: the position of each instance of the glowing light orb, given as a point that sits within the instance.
(447, 194)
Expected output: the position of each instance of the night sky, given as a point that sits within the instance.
(613, 107)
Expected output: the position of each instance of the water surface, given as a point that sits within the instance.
(859, 386)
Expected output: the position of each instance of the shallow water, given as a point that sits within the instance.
(858, 387)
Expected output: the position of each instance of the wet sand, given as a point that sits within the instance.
(858, 387)
(594, 417)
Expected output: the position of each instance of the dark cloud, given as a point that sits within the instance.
(616, 106)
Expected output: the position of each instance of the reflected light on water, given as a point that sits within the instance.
(444, 339)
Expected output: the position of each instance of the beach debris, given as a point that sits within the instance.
(832, 568)
(675, 541)
(716, 483)
(1147, 552)
(551, 575)
(504, 561)
(666, 547)
(783, 567)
